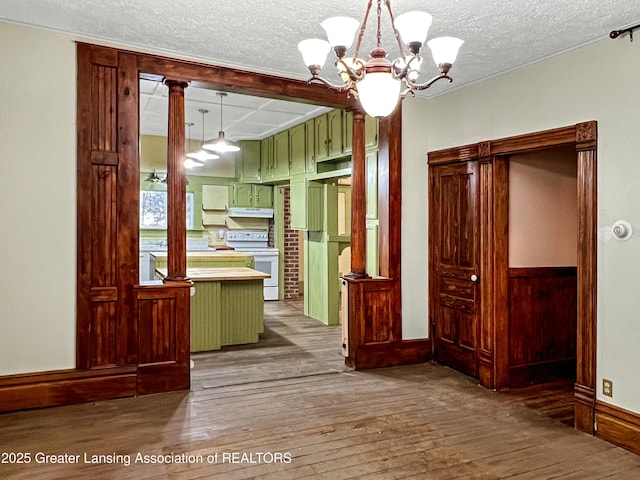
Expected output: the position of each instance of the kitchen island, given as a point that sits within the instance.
(227, 307)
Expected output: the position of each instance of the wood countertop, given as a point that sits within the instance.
(206, 254)
(215, 274)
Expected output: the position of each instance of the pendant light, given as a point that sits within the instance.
(221, 144)
(202, 155)
(188, 161)
(153, 177)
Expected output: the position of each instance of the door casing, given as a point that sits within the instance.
(493, 359)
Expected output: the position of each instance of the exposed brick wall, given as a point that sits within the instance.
(291, 251)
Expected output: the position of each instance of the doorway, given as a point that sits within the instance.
(492, 347)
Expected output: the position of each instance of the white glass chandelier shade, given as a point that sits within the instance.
(379, 93)
(340, 30)
(413, 27)
(445, 49)
(314, 51)
(221, 145)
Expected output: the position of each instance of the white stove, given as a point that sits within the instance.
(254, 242)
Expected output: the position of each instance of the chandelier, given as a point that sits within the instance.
(378, 82)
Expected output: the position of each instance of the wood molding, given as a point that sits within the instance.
(617, 425)
(584, 408)
(455, 154)
(65, 387)
(534, 141)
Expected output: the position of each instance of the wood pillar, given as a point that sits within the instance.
(176, 186)
(585, 387)
(358, 200)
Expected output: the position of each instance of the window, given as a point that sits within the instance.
(153, 210)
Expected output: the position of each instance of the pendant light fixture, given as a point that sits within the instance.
(202, 155)
(153, 177)
(221, 144)
(379, 83)
(188, 161)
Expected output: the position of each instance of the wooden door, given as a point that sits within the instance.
(454, 260)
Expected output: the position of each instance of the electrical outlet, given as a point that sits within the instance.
(607, 387)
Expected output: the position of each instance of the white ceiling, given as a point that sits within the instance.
(263, 36)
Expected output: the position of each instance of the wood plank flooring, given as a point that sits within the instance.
(292, 409)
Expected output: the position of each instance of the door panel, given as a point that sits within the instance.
(454, 231)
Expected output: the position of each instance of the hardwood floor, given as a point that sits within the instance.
(292, 408)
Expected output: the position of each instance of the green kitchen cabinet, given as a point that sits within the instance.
(370, 132)
(347, 132)
(328, 129)
(266, 159)
(310, 144)
(248, 161)
(307, 212)
(298, 150)
(281, 155)
(240, 195)
(250, 195)
(262, 196)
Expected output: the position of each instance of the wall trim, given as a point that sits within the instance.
(65, 387)
(618, 425)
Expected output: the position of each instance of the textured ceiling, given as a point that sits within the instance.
(263, 36)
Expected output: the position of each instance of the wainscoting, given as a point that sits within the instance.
(542, 324)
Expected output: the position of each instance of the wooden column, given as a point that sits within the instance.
(176, 186)
(585, 387)
(358, 200)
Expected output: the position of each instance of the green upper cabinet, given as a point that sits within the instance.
(347, 132)
(297, 149)
(310, 143)
(281, 155)
(248, 163)
(370, 132)
(250, 196)
(262, 196)
(266, 159)
(328, 129)
(240, 195)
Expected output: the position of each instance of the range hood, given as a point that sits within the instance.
(250, 212)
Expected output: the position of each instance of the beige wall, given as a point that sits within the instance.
(596, 82)
(543, 209)
(37, 200)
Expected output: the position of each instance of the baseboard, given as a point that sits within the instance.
(619, 426)
(65, 387)
(391, 354)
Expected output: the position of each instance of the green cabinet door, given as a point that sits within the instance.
(241, 195)
(262, 196)
(281, 155)
(322, 138)
(347, 132)
(370, 131)
(248, 163)
(297, 150)
(307, 207)
(310, 145)
(334, 127)
(266, 159)
(372, 184)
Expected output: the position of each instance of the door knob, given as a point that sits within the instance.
(474, 278)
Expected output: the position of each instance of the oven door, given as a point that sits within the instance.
(268, 264)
